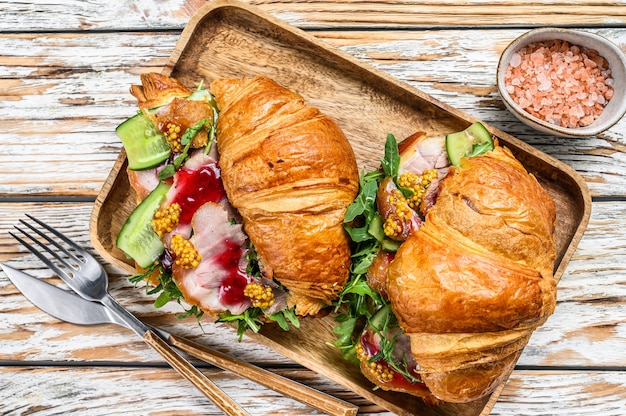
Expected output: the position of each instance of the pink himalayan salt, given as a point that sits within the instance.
(562, 84)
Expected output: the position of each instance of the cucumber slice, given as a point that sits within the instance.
(145, 146)
(380, 319)
(473, 141)
(390, 246)
(137, 239)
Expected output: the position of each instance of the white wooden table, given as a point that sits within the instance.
(65, 70)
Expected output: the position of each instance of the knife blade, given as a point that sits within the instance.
(70, 307)
(59, 303)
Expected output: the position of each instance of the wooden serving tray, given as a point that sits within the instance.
(231, 39)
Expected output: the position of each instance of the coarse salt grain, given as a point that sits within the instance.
(563, 84)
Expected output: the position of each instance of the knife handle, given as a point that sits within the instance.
(195, 376)
(273, 381)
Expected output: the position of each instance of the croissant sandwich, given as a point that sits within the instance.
(461, 272)
(250, 208)
(242, 191)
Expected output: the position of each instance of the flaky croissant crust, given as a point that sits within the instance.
(483, 259)
(291, 173)
(157, 90)
(476, 279)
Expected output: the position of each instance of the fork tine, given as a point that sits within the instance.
(60, 236)
(62, 273)
(50, 240)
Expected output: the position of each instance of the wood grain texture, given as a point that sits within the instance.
(590, 393)
(139, 15)
(563, 341)
(590, 315)
(90, 391)
(57, 91)
(323, 402)
(219, 35)
(192, 374)
(45, 390)
(461, 70)
(65, 69)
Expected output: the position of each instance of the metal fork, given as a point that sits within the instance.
(84, 274)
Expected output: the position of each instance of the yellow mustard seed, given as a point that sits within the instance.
(262, 296)
(393, 225)
(380, 370)
(173, 137)
(185, 254)
(417, 184)
(166, 219)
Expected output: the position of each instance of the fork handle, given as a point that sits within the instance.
(180, 364)
(195, 376)
(321, 401)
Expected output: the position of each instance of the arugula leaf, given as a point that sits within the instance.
(167, 172)
(285, 317)
(345, 330)
(140, 277)
(193, 311)
(166, 288)
(186, 139)
(361, 305)
(391, 161)
(250, 319)
(161, 300)
(362, 221)
(209, 145)
(362, 211)
(191, 132)
(480, 148)
(364, 203)
(290, 315)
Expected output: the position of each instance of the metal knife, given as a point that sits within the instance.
(60, 303)
(68, 306)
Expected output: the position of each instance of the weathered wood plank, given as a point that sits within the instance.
(28, 334)
(155, 15)
(563, 393)
(90, 391)
(460, 70)
(65, 69)
(589, 325)
(590, 315)
(138, 391)
(63, 95)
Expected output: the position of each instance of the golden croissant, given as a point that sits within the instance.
(280, 176)
(291, 173)
(473, 280)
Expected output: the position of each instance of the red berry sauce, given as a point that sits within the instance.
(194, 188)
(371, 348)
(232, 287)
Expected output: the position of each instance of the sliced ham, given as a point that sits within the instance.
(217, 284)
(143, 182)
(419, 153)
(192, 193)
(198, 159)
(370, 343)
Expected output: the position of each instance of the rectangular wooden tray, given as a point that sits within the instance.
(231, 39)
